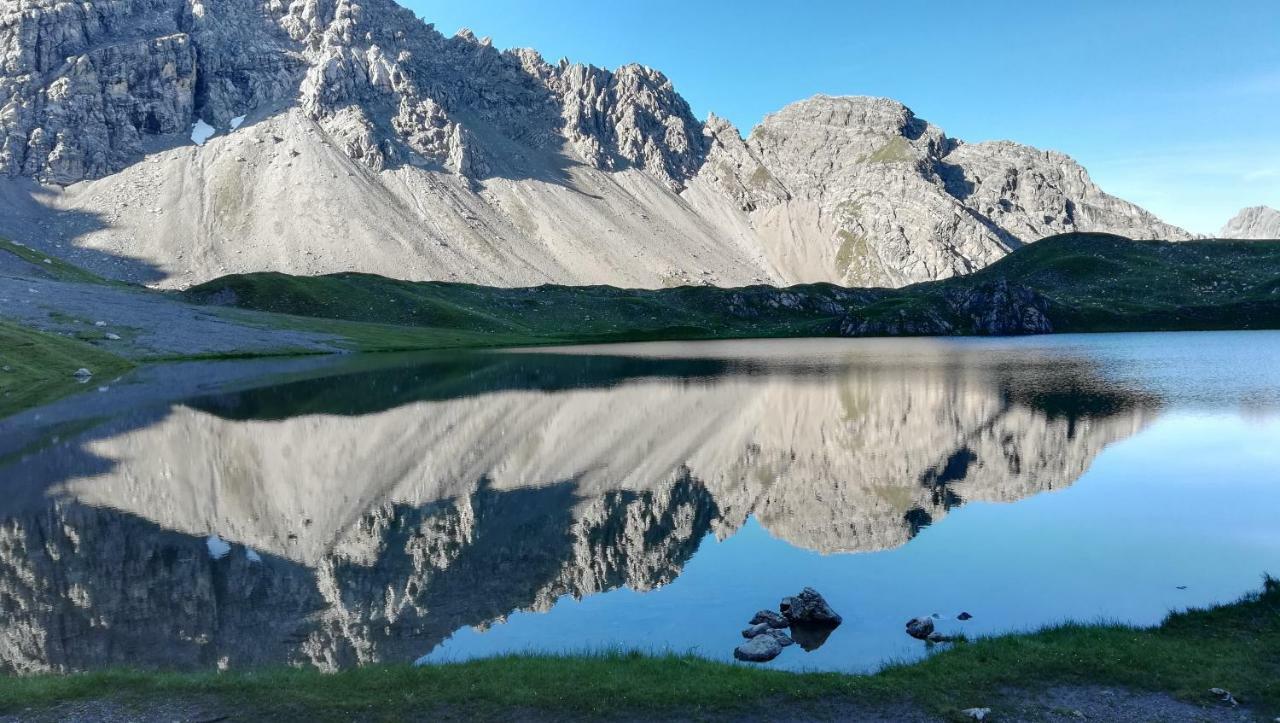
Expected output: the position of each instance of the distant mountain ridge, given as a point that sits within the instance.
(1257, 222)
(373, 143)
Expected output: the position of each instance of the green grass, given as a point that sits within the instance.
(449, 314)
(896, 150)
(41, 367)
(1097, 282)
(1235, 646)
(1088, 282)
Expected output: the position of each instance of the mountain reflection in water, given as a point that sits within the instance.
(373, 513)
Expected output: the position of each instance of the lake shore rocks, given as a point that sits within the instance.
(760, 649)
(807, 614)
(809, 608)
(770, 618)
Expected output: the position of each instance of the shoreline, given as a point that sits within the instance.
(1175, 665)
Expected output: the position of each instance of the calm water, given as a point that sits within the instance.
(442, 507)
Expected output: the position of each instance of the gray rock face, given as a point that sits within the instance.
(87, 83)
(895, 201)
(1258, 222)
(429, 157)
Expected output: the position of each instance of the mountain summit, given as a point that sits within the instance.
(1257, 222)
(354, 137)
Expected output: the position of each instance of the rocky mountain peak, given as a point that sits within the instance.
(1257, 222)
(433, 157)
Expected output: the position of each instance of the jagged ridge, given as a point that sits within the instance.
(376, 144)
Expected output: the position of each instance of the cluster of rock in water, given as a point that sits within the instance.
(808, 616)
(811, 621)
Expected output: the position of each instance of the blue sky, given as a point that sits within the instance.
(1173, 104)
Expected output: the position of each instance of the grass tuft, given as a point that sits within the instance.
(38, 368)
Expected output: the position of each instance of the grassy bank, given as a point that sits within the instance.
(1236, 647)
(37, 368)
(1079, 282)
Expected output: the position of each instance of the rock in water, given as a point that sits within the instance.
(783, 639)
(755, 630)
(964, 616)
(770, 618)
(809, 608)
(760, 649)
(920, 628)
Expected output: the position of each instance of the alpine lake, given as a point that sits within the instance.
(344, 511)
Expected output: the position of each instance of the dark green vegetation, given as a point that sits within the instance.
(1069, 283)
(36, 368)
(1236, 647)
(1097, 282)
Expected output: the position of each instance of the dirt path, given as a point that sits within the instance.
(1082, 703)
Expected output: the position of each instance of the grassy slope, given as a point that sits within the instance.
(545, 314)
(1096, 282)
(1236, 647)
(41, 367)
(1092, 282)
(49, 266)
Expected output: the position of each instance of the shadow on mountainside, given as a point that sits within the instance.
(28, 218)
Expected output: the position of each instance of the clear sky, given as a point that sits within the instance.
(1173, 104)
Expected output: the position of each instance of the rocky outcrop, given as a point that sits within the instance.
(992, 308)
(1258, 222)
(374, 143)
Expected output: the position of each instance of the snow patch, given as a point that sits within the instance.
(201, 132)
(237, 122)
(218, 547)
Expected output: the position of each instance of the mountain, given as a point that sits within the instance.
(1257, 222)
(353, 136)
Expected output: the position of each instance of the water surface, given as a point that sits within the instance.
(447, 506)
